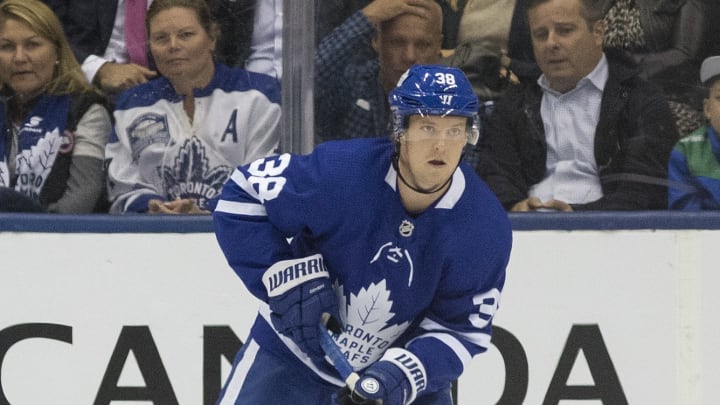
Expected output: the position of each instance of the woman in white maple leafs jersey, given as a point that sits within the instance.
(177, 138)
(404, 245)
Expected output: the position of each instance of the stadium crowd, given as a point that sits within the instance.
(147, 106)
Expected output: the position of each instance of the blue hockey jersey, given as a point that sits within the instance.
(429, 283)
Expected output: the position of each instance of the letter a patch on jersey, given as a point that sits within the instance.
(231, 128)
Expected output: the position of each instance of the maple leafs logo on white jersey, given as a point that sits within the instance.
(366, 316)
(191, 175)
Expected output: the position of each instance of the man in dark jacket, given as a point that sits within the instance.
(589, 134)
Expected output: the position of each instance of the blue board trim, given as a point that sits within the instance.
(143, 223)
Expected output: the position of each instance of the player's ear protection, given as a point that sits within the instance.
(474, 130)
(399, 128)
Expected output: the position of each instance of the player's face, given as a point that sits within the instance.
(404, 41)
(430, 149)
(27, 60)
(181, 47)
(711, 106)
(566, 48)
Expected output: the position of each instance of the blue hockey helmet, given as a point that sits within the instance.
(434, 90)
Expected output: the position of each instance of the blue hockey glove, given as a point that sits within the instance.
(299, 292)
(396, 379)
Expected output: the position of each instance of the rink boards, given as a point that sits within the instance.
(94, 311)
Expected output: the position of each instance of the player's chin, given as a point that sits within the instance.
(437, 178)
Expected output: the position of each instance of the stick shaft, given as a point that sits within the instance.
(337, 358)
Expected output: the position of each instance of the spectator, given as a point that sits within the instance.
(330, 14)
(588, 134)
(177, 138)
(350, 89)
(695, 161)
(668, 40)
(53, 124)
(97, 33)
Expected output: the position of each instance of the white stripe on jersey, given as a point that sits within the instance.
(237, 379)
(457, 188)
(450, 341)
(449, 199)
(232, 207)
(480, 338)
(239, 178)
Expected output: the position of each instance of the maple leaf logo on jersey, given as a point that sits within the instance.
(366, 316)
(36, 163)
(191, 176)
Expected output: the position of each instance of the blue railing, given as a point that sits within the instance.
(105, 223)
(615, 220)
(203, 223)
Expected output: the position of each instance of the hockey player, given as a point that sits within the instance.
(395, 238)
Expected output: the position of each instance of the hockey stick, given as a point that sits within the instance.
(343, 367)
(337, 358)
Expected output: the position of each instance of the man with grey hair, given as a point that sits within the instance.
(589, 134)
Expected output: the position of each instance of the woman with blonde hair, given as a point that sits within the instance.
(179, 137)
(53, 124)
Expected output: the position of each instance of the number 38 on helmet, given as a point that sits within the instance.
(434, 90)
